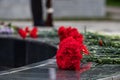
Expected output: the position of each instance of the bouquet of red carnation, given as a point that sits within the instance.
(68, 55)
(24, 32)
(71, 49)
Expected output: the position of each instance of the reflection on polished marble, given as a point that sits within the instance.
(47, 70)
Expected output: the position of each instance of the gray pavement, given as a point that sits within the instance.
(108, 27)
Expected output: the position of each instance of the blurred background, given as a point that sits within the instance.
(92, 13)
(63, 9)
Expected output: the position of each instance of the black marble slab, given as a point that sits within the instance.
(48, 70)
(17, 52)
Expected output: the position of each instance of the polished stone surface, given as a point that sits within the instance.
(48, 70)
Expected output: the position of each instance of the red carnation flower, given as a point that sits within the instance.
(35, 29)
(68, 55)
(62, 33)
(22, 33)
(101, 42)
(67, 32)
(73, 32)
(27, 29)
(61, 30)
(33, 33)
(79, 38)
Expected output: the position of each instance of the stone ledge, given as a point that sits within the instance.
(117, 77)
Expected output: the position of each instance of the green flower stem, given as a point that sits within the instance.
(103, 60)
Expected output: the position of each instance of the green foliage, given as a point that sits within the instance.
(113, 3)
(107, 53)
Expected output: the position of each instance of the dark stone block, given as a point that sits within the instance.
(16, 52)
(19, 53)
(6, 52)
(38, 51)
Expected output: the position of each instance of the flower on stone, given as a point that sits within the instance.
(68, 55)
(71, 48)
(34, 32)
(27, 29)
(22, 33)
(100, 42)
(6, 30)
